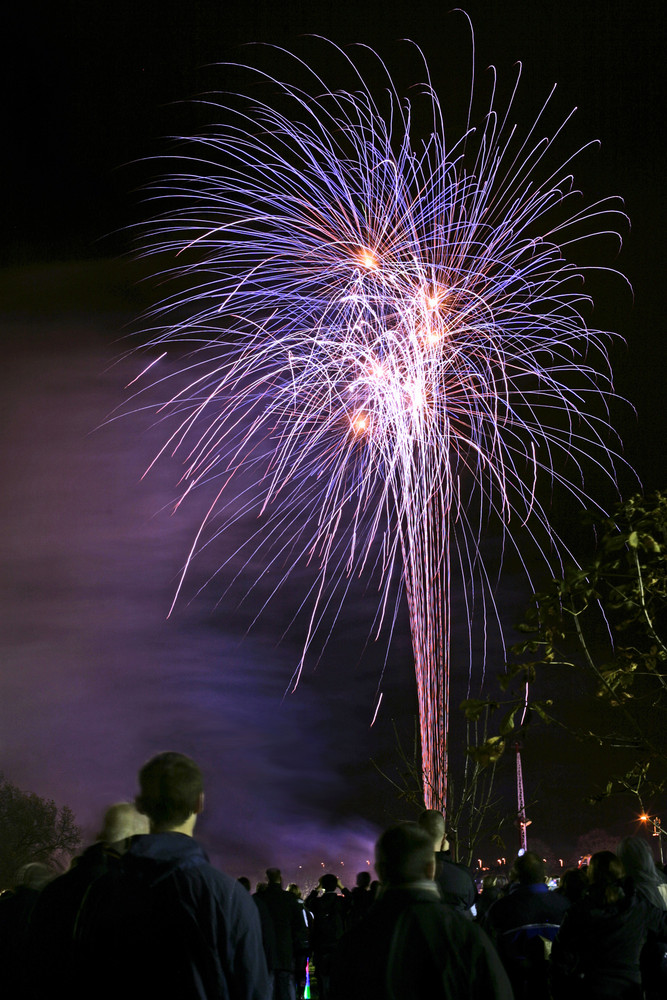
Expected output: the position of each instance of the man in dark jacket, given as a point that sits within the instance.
(286, 944)
(329, 920)
(456, 884)
(169, 924)
(412, 945)
(521, 922)
(361, 898)
(54, 919)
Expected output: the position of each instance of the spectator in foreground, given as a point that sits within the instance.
(637, 860)
(523, 924)
(596, 952)
(17, 907)
(649, 883)
(52, 930)
(169, 924)
(412, 945)
(455, 882)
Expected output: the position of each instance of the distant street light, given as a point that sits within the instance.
(657, 831)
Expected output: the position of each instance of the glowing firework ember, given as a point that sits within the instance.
(385, 328)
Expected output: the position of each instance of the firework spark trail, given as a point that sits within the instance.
(384, 328)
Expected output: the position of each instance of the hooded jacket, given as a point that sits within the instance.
(168, 923)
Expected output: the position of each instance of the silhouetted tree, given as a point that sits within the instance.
(607, 620)
(32, 829)
(594, 841)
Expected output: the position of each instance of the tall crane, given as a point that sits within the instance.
(522, 822)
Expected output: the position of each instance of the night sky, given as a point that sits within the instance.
(94, 677)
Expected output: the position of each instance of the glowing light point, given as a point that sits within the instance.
(368, 260)
(434, 337)
(359, 423)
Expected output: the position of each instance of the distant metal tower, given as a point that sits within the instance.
(522, 822)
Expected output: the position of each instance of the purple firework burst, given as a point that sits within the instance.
(389, 339)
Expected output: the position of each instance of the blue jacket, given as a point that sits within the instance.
(526, 905)
(169, 924)
(519, 924)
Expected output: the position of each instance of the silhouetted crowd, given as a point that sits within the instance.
(143, 914)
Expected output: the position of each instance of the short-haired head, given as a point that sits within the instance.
(364, 880)
(529, 869)
(329, 882)
(404, 853)
(34, 875)
(273, 876)
(171, 790)
(433, 822)
(122, 820)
